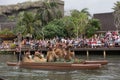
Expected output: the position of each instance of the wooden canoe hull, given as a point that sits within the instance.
(102, 62)
(13, 64)
(55, 66)
(75, 67)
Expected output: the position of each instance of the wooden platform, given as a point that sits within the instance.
(74, 49)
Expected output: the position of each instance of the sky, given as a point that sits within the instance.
(94, 6)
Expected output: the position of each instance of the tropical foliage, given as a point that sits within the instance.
(69, 26)
(49, 12)
(52, 30)
(92, 27)
(80, 20)
(60, 27)
(117, 14)
(33, 23)
(28, 24)
(49, 23)
(6, 32)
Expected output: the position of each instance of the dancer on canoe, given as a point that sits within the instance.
(60, 54)
(51, 56)
(39, 57)
(27, 57)
(69, 55)
(19, 54)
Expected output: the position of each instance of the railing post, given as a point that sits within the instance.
(14, 52)
(87, 54)
(104, 54)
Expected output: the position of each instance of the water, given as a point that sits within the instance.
(107, 72)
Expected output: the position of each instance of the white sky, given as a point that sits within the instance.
(94, 6)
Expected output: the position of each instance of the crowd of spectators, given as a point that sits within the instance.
(109, 39)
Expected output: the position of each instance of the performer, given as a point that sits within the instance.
(19, 54)
(28, 57)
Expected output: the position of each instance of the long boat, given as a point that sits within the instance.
(54, 65)
(102, 62)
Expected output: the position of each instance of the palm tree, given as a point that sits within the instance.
(117, 14)
(93, 26)
(28, 24)
(28, 21)
(68, 26)
(49, 12)
(32, 24)
(85, 10)
(80, 20)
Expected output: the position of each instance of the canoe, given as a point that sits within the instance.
(102, 62)
(13, 64)
(55, 65)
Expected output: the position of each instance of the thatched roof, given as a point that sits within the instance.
(23, 6)
(106, 20)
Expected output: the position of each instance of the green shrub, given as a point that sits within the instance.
(12, 46)
(6, 32)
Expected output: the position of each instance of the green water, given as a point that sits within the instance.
(107, 72)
